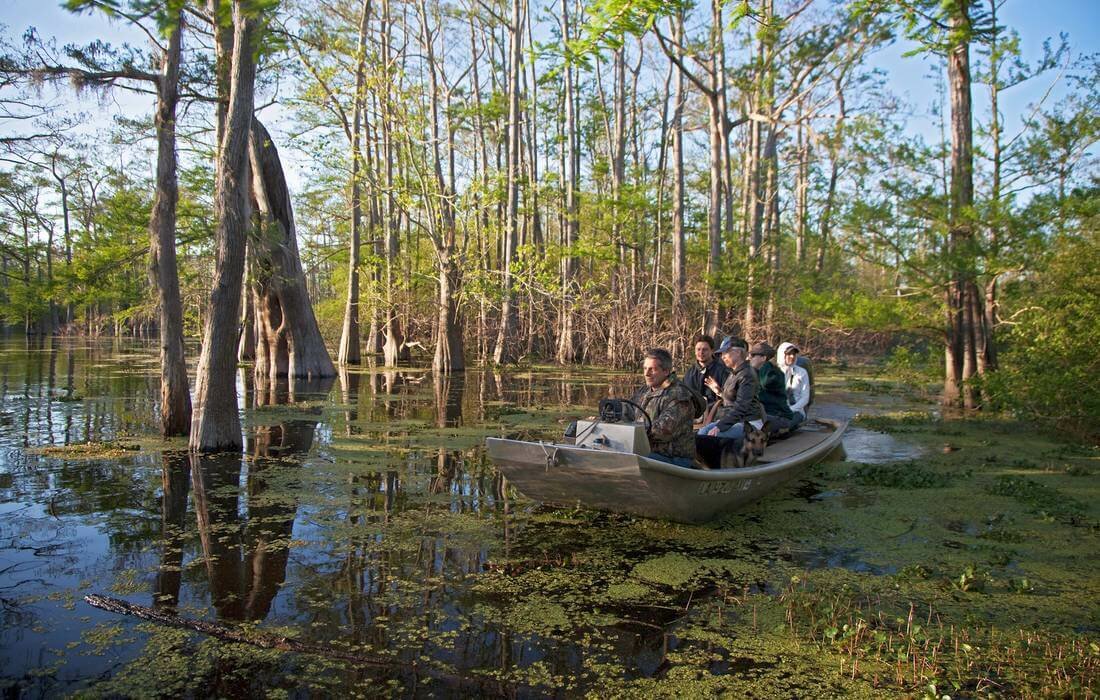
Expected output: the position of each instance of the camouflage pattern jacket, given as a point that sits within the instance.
(672, 408)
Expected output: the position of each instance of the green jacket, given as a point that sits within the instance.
(773, 391)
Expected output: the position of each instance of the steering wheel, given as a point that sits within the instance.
(648, 419)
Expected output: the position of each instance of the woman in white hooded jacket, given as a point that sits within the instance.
(798, 380)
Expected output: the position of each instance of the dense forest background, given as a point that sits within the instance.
(494, 181)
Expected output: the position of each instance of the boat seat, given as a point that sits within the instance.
(795, 442)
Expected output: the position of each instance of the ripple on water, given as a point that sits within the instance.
(870, 447)
(843, 557)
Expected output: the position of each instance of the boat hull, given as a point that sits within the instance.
(623, 482)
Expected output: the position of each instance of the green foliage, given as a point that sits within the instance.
(109, 262)
(913, 368)
(24, 301)
(610, 21)
(863, 309)
(165, 13)
(1050, 366)
(929, 23)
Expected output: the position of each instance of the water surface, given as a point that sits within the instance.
(362, 518)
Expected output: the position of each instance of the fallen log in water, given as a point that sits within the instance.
(228, 633)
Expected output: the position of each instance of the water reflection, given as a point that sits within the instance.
(349, 397)
(448, 398)
(245, 532)
(56, 391)
(175, 479)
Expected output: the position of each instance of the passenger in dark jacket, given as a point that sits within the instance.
(707, 364)
(739, 402)
(773, 388)
(671, 407)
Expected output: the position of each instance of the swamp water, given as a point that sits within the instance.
(364, 524)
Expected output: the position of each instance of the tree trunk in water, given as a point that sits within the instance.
(349, 333)
(977, 321)
(988, 349)
(963, 296)
(503, 352)
(348, 353)
(175, 398)
(63, 190)
(449, 351)
(952, 369)
(288, 341)
(449, 354)
(375, 147)
(390, 325)
(216, 423)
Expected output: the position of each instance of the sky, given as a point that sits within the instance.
(1034, 20)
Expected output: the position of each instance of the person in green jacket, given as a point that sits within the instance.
(773, 388)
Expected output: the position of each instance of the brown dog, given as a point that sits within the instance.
(750, 449)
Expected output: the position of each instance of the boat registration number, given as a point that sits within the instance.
(718, 487)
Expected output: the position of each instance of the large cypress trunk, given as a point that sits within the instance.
(175, 399)
(216, 423)
(288, 341)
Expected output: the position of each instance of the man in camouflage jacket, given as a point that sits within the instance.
(671, 406)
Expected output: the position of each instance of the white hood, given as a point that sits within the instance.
(781, 356)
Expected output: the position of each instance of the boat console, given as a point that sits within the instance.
(617, 437)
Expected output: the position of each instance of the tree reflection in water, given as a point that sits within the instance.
(175, 478)
(246, 556)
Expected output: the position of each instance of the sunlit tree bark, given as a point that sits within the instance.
(288, 341)
(175, 399)
(216, 424)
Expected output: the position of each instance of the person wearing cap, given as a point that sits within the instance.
(671, 408)
(773, 388)
(797, 380)
(739, 402)
(707, 364)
